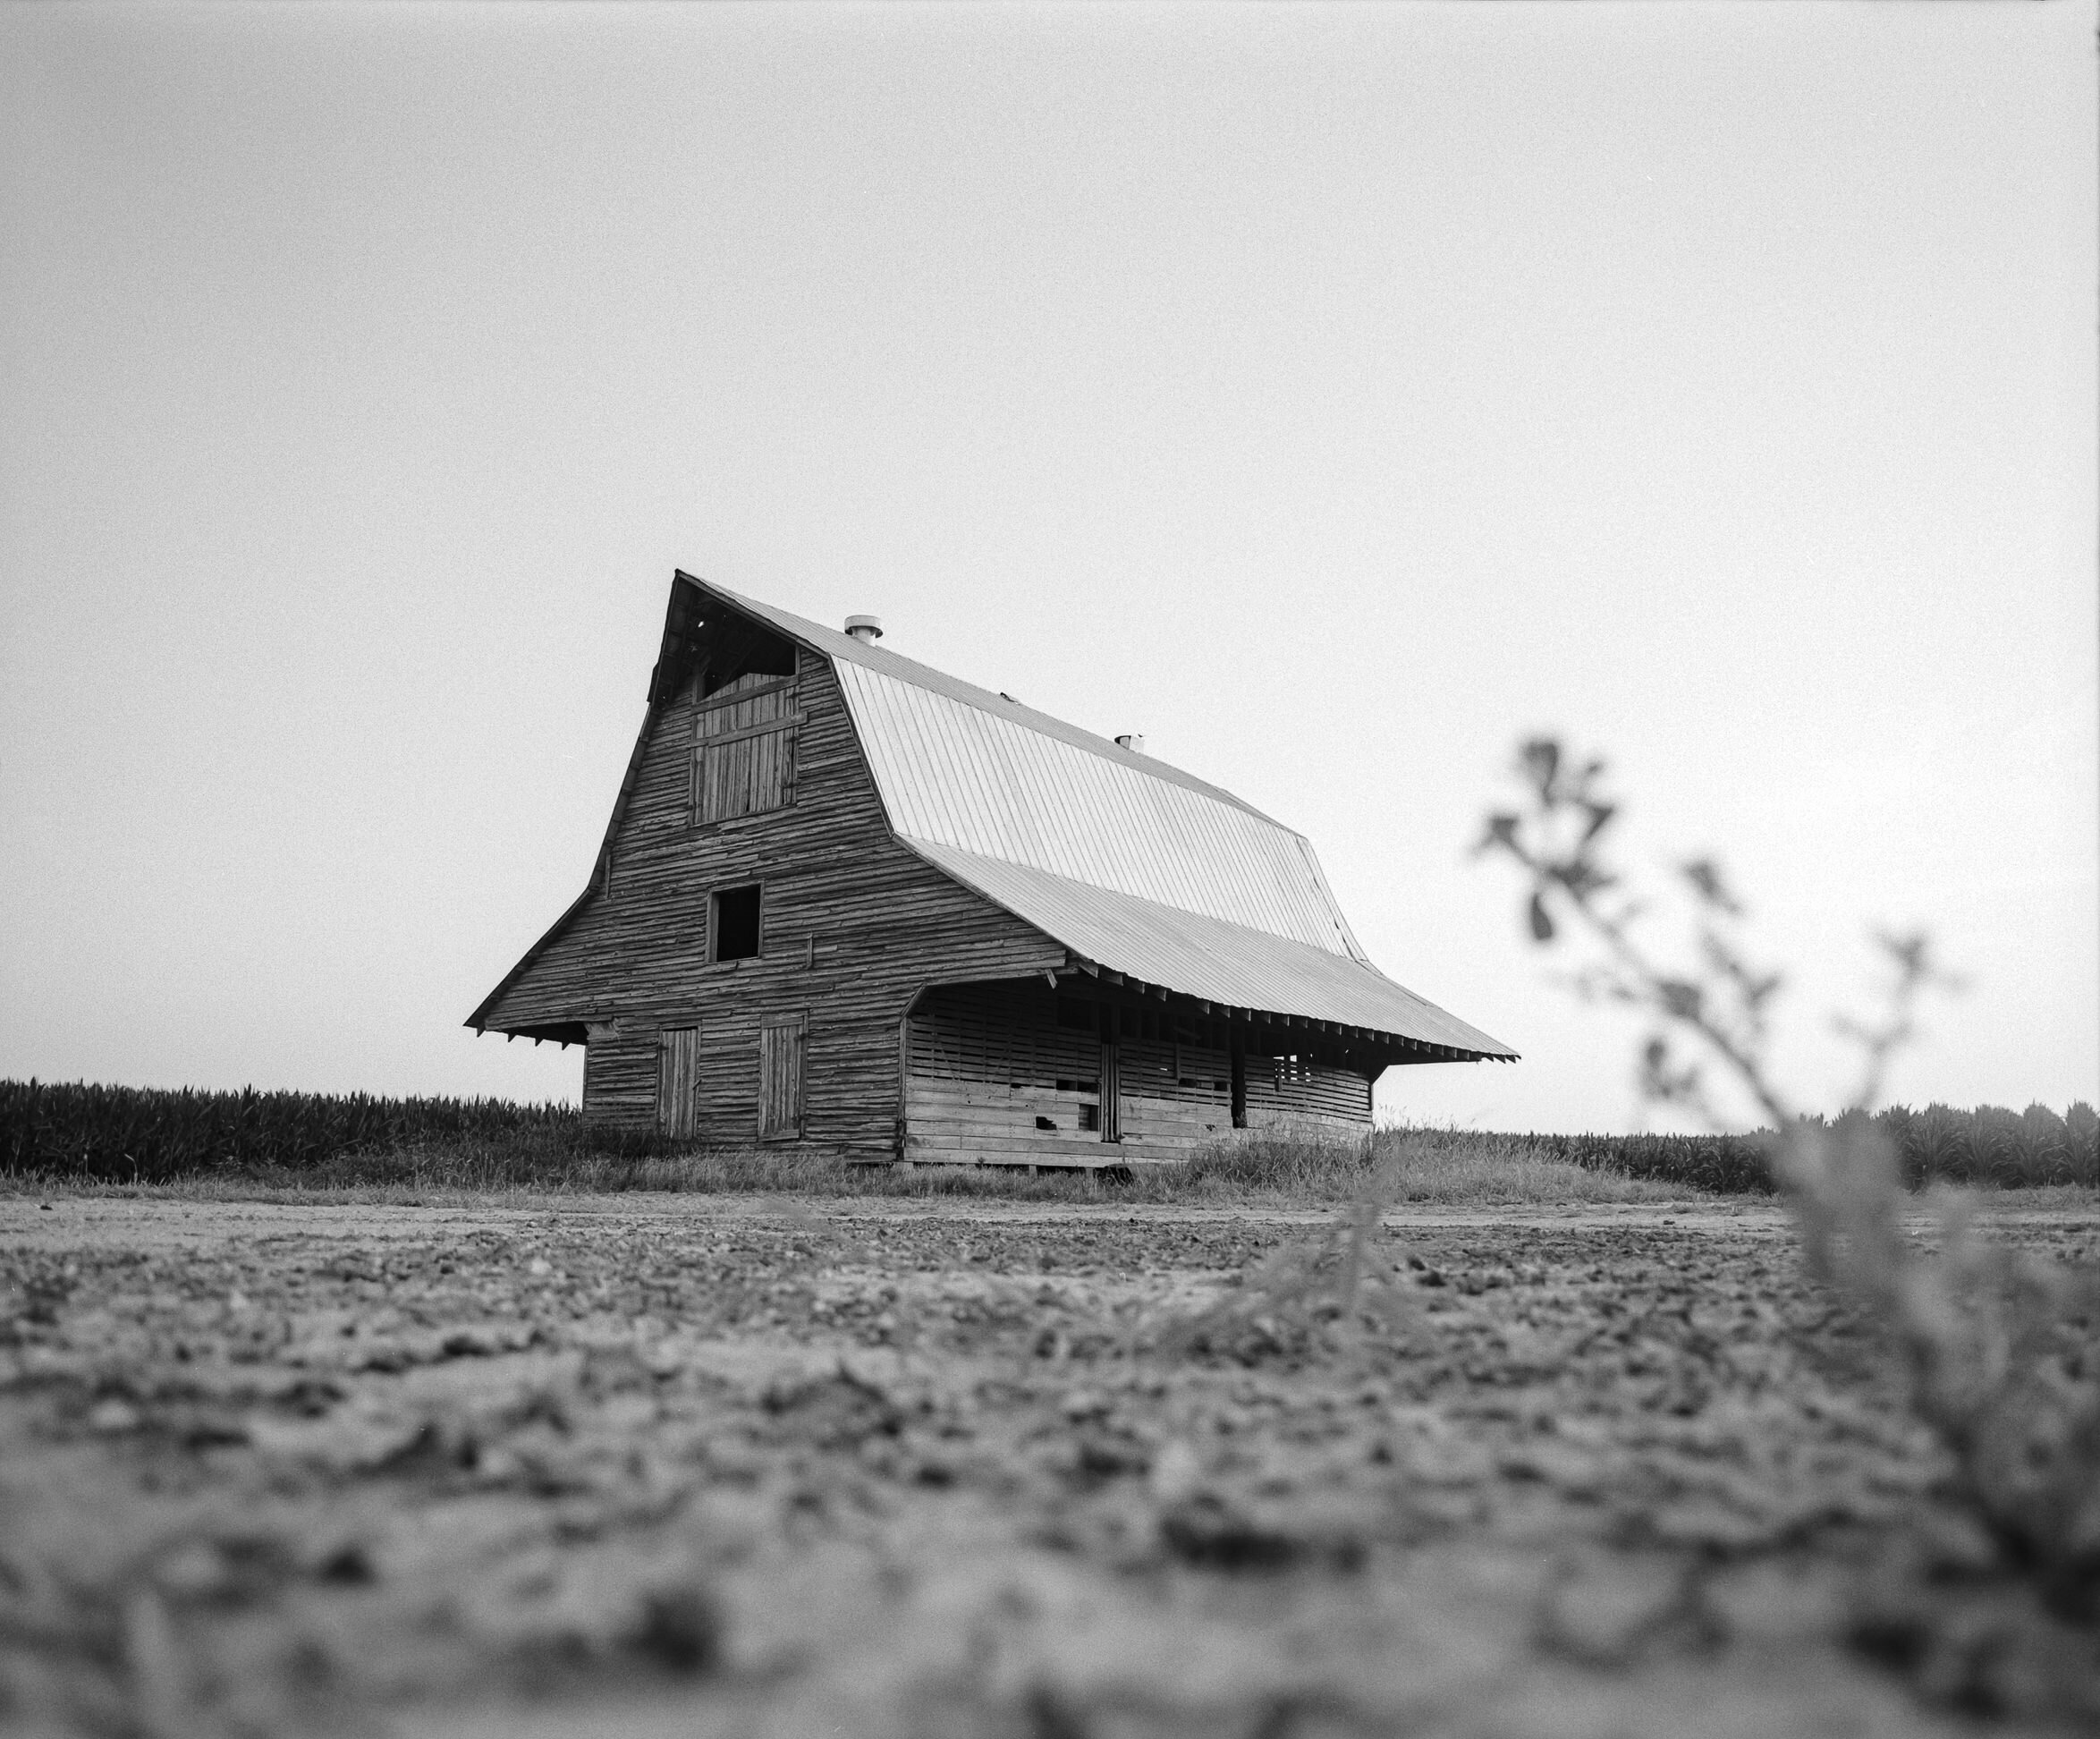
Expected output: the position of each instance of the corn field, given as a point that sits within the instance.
(134, 1134)
(1991, 1146)
(144, 1135)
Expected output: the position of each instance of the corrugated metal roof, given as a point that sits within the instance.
(1205, 957)
(1133, 864)
(956, 774)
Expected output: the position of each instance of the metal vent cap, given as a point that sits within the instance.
(864, 628)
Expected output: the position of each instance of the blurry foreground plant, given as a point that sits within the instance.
(2000, 1347)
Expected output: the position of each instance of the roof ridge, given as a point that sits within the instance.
(833, 644)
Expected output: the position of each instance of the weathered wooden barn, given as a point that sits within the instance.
(851, 903)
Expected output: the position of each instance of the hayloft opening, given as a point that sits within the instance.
(722, 650)
(734, 923)
(760, 655)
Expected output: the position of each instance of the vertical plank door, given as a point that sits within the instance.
(744, 750)
(780, 1077)
(1112, 1090)
(678, 1081)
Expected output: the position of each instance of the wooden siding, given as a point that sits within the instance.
(854, 925)
(1324, 1095)
(620, 1077)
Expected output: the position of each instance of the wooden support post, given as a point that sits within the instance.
(1239, 1071)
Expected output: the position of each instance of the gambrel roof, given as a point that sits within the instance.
(1135, 867)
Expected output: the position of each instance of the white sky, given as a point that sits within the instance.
(1333, 395)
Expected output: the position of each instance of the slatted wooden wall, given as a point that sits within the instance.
(989, 1062)
(1323, 1094)
(620, 1074)
(854, 925)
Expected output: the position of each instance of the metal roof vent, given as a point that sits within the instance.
(864, 628)
(1135, 744)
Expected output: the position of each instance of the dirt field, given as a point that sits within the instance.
(643, 1465)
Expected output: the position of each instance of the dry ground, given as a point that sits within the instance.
(710, 1466)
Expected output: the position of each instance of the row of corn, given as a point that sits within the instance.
(147, 1135)
(1989, 1145)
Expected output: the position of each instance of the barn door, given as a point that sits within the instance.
(678, 1083)
(780, 1077)
(1112, 1090)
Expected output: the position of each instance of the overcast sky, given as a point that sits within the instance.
(1332, 395)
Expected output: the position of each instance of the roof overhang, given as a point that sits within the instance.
(1226, 966)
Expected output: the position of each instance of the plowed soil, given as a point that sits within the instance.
(686, 1466)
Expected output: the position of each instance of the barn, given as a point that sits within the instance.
(849, 903)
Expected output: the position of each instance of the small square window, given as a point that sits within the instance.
(735, 926)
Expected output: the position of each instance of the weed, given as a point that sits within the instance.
(1998, 1348)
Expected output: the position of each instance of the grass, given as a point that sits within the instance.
(1418, 1165)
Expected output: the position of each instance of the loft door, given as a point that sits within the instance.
(744, 749)
(780, 1077)
(678, 1083)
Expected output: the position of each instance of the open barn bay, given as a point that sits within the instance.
(647, 1464)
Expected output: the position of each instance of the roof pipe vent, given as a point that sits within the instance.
(1135, 744)
(864, 628)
